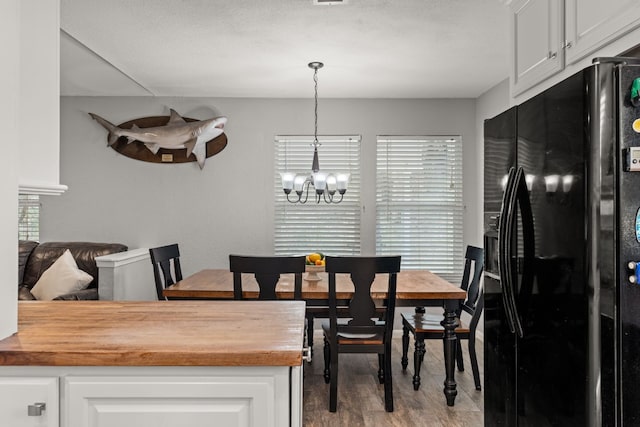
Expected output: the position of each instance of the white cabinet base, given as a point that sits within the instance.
(265, 396)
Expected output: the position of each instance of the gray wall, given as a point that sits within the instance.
(488, 105)
(228, 206)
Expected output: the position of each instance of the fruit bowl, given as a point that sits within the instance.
(312, 273)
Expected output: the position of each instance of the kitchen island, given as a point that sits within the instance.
(170, 363)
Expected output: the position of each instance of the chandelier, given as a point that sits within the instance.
(325, 185)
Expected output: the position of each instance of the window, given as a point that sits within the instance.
(28, 217)
(419, 202)
(333, 229)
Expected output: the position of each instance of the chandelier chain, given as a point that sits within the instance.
(315, 133)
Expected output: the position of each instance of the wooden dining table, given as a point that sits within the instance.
(415, 288)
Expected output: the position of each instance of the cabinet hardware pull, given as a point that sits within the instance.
(567, 45)
(552, 55)
(306, 354)
(36, 409)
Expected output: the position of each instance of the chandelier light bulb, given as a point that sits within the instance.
(342, 180)
(287, 181)
(298, 183)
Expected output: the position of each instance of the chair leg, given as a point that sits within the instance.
(474, 362)
(327, 360)
(381, 368)
(459, 355)
(310, 334)
(333, 386)
(418, 357)
(405, 347)
(388, 384)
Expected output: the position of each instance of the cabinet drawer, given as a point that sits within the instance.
(176, 401)
(18, 393)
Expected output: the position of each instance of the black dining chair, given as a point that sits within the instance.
(363, 327)
(267, 271)
(425, 326)
(166, 267)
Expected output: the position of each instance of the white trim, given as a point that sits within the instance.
(119, 259)
(41, 188)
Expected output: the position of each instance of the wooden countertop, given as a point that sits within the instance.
(157, 333)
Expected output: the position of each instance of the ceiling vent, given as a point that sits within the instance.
(330, 2)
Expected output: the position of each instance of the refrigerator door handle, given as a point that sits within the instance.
(503, 248)
(520, 198)
(508, 285)
(528, 244)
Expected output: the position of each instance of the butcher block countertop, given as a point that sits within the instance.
(156, 333)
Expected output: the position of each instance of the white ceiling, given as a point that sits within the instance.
(260, 48)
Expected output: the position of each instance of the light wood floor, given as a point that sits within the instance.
(361, 397)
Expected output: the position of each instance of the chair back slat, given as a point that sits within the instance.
(166, 266)
(267, 271)
(361, 309)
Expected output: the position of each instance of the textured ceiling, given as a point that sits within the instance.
(260, 48)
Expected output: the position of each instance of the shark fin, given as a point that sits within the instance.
(112, 138)
(113, 129)
(175, 118)
(190, 145)
(200, 151)
(152, 147)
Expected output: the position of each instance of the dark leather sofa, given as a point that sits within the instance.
(35, 258)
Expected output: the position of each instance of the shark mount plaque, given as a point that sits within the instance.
(167, 139)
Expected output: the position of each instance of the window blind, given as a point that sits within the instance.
(419, 202)
(332, 229)
(28, 217)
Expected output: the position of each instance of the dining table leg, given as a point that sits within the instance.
(449, 324)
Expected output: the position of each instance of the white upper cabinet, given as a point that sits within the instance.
(549, 36)
(39, 113)
(591, 24)
(537, 34)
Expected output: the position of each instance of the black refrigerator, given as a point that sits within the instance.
(562, 239)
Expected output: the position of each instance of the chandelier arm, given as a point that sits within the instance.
(325, 194)
(292, 201)
(305, 189)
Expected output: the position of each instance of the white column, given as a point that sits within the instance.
(126, 276)
(9, 117)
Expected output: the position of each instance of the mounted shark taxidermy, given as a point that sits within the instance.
(163, 139)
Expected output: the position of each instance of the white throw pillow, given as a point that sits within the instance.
(61, 278)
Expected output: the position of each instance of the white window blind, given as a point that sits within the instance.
(28, 217)
(333, 229)
(419, 202)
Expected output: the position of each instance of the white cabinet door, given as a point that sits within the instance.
(176, 401)
(537, 33)
(18, 393)
(590, 24)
